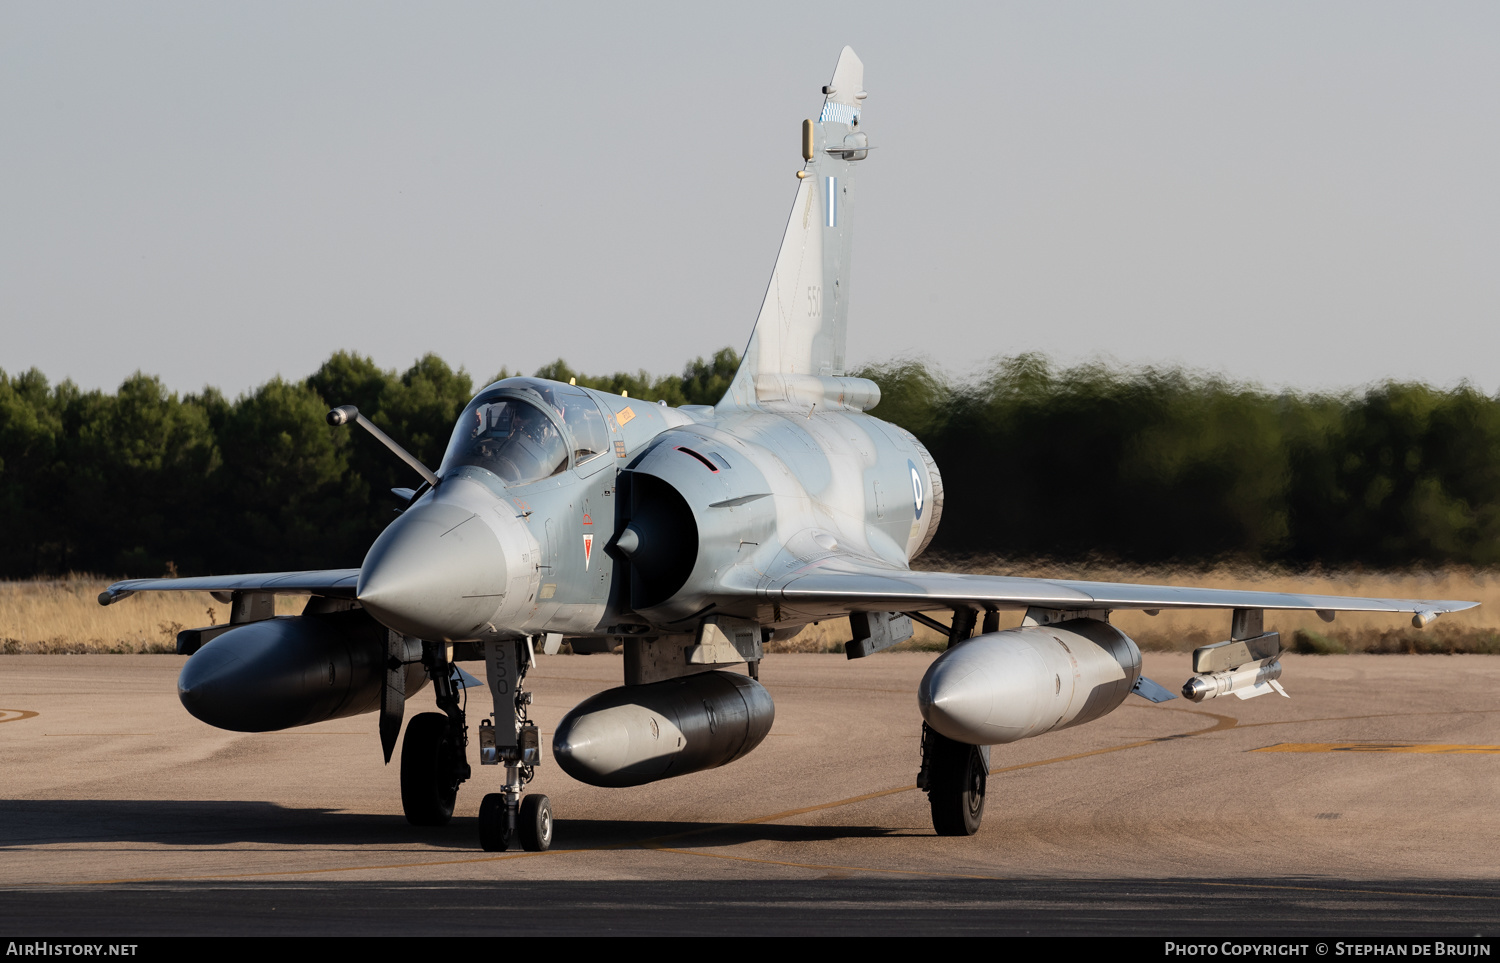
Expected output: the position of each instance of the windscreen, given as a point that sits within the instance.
(581, 417)
(514, 439)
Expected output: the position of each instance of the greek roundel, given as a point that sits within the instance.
(917, 495)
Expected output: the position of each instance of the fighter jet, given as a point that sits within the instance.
(691, 537)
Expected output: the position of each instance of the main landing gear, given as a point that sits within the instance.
(434, 758)
(432, 766)
(953, 775)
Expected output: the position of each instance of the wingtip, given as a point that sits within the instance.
(112, 595)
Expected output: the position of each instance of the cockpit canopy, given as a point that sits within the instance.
(523, 430)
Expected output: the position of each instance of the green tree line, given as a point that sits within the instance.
(132, 482)
(1159, 465)
(1141, 465)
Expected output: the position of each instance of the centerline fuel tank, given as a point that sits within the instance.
(637, 734)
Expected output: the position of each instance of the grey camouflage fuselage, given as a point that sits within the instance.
(711, 504)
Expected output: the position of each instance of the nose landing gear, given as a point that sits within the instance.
(513, 741)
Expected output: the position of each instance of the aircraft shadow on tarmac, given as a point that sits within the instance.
(41, 822)
(592, 833)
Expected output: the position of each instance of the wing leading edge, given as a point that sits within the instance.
(845, 585)
(334, 582)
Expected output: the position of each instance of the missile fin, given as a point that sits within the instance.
(1259, 689)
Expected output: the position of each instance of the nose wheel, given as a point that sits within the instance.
(501, 820)
(494, 823)
(536, 823)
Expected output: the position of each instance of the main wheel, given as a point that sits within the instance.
(494, 826)
(431, 765)
(956, 777)
(534, 823)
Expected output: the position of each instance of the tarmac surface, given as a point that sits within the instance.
(1364, 806)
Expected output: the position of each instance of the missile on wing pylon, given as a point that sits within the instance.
(291, 671)
(1022, 682)
(637, 734)
(1246, 667)
(1246, 681)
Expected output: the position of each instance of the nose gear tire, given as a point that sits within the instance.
(534, 823)
(494, 831)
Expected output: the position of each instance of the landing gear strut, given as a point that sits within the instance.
(433, 757)
(953, 775)
(512, 740)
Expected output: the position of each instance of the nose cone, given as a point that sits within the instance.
(437, 573)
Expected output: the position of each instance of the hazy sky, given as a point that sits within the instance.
(1303, 194)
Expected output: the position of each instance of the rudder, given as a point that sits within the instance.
(800, 329)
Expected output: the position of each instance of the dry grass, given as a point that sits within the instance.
(63, 615)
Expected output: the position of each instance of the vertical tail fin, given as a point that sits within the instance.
(800, 330)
